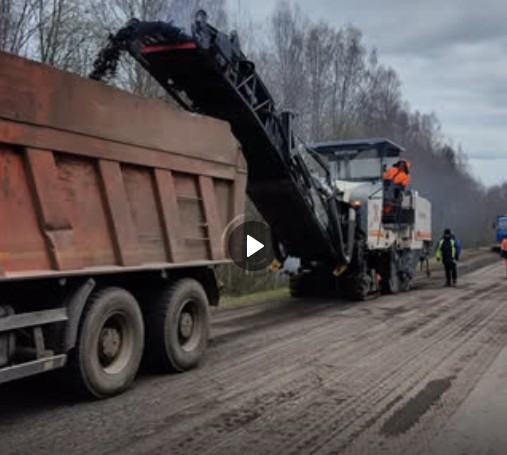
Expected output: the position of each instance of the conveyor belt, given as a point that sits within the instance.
(208, 73)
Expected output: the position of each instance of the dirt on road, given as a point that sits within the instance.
(290, 377)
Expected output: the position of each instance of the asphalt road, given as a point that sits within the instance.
(289, 377)
(478, 426)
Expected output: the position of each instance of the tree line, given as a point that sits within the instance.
(338, 86)
(342, 90)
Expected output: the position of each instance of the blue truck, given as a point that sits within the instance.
(500, 230)
(501, 227)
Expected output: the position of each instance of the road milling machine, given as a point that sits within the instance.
(327, 204)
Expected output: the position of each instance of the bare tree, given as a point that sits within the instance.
(347, 79)
(16, 27)
(319, 51)
(63, 35)
(381, 100)
(288, 35)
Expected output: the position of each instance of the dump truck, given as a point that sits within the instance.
(112, 216)
(345, 229)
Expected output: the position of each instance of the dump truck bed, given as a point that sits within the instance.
(92, 177)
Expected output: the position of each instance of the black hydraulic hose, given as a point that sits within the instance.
(319, 160)
(338, 231)
(351, 239)
(329, 199)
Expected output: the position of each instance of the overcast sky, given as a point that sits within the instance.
(451, 57)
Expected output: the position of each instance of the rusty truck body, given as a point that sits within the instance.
(112, 215)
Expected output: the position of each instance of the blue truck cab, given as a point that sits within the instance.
(501, 227)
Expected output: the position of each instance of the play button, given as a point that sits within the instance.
(249, 246)
(252, 246)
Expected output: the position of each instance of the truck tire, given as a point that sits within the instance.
(178, 327)
(390, 283)
(110, 343)
(358, 288)
(404, 284)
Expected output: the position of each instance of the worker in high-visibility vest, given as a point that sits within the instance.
(399, 174)
(448, 251)
(396, 181)
(503, 252)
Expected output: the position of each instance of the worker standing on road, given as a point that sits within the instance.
(503, 252)
(448, 251)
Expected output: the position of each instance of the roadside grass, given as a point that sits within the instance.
(235, 301)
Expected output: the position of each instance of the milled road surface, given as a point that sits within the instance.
(379, 377)
(478, 426)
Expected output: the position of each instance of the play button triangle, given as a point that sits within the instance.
(252, 246)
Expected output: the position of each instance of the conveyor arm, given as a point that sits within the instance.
(208, 73)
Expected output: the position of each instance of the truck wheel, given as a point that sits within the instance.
(359, 288)
(390, 284)
(178, 327)
(405, 284)
(110, 343)
(391, 281)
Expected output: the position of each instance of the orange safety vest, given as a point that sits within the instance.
(402, 178)
(389, 175)
(398, 176)
(503, 247)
